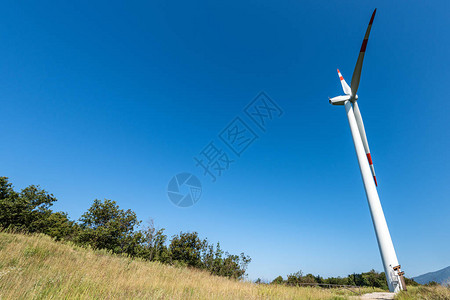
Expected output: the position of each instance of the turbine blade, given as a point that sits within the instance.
(362, 132)
(344, 84)
(357, 72)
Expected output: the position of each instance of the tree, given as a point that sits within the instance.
(319, 279)
(106, 226)
(28, 210)
(336, 280)
(12, 207)
(411, 282)
(6, 189)
(207, 256)
(222, 263)
(231, 267)
(294, 279)
(37, 212)
(278, 280)
(186, 247)
(154, 243)
(309, 278)
(375, 279)
(60, 227)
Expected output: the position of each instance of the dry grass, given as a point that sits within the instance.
(36, 267)
(425, 293)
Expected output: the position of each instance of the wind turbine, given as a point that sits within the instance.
(394, 275)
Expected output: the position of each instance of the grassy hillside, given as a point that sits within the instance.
(425, 293)
(36, 267)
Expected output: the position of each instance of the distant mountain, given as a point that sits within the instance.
(440, 276)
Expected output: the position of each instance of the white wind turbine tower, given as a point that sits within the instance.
(392, 270)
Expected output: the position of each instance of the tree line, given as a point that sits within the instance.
(370, 279)
(106, 226)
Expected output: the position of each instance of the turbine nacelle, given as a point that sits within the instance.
(339, 100)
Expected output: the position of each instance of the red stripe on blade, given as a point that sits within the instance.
(369, 158)
(341, 78)
(373, 16)
(364, 45)
(375, 178)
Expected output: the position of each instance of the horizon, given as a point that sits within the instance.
(112, 100)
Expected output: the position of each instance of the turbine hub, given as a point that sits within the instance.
(353, 99)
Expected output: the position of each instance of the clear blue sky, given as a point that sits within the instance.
(110, 100)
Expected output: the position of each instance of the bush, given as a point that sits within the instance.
(278, 280)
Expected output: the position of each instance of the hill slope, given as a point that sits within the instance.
(441, 276)
(36, 267)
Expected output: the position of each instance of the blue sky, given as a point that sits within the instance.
(110, 100)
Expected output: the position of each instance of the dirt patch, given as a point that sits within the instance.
(378, 296)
